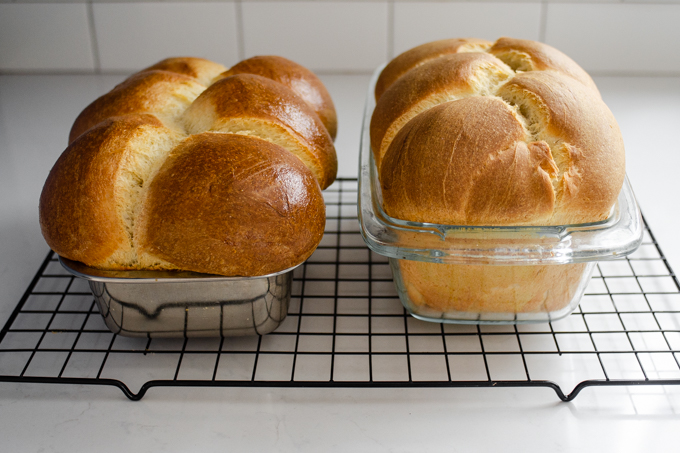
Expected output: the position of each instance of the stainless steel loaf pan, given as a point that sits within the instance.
(179, 304)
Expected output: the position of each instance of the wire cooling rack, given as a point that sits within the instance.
(346, 328)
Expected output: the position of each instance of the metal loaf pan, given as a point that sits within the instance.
(186, 304)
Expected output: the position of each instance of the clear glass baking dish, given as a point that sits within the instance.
(186, 304)
(483, 274)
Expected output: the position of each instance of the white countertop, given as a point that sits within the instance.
(36, 113)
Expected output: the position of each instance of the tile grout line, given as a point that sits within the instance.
(59, 72)
(93, 38)
(390, 30)
(543, 22)
(240, 35)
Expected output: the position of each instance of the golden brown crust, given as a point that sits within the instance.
(538, 148)
(448, 166)
(412, 58)
(585, 141)
(232, 205)
(526, 55)
(92, 206)
(78, 214)
(490, 289)
(296, 77)
(161, 93)
(254, 105)
(572, 145)
(439, 80)
(204, 71)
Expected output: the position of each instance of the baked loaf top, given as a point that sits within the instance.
(184, 166)
(417, 56)
(516, 134)
(298, 78)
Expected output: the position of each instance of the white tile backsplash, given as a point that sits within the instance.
(617, 38)
(419, 22)
(650, 1)
(324, 36)
(348, 93)
(45, 37)
(329, 36)
(131, 36)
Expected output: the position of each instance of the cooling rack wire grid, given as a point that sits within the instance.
(346, 328)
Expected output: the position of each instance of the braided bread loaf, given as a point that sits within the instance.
(187, 165)
(469, 132)
(517, 135)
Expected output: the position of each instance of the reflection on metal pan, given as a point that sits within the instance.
(186, 304)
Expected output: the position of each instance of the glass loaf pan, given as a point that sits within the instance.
(489, 275)
(186, 304)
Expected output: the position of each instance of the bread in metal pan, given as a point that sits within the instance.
(161, 93)
(465, 139)
(296, 77)
(254, 105)
(93, 193)
(232, 205)
(142, 186)
(204, 71)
